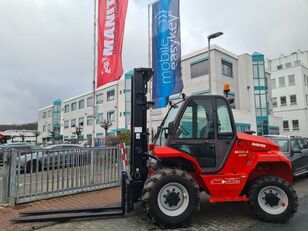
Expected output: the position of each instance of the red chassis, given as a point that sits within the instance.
(250, 157)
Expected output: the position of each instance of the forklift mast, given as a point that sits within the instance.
(139, 133)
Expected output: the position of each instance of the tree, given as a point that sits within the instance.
(124, 137)
(22, 136)
(77, 132)
(106, 124)
(36, 134)
(12, 139)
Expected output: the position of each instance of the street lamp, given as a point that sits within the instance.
(211, 36)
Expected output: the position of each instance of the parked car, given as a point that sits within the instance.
(23, 148)
(61, 155)
(296, 149)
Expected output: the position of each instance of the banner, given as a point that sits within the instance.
(111, 22)
(166, 51)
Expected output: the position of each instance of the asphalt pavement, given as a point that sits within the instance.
(298, 223)
(212, 217)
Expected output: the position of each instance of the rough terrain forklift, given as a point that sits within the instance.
(196, 149)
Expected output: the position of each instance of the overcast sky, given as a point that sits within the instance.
(46, 46)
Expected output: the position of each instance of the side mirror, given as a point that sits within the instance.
(295, 150)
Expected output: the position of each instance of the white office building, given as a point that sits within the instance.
(289, 83)
(236, 70)
(60, 120)
(113, 100)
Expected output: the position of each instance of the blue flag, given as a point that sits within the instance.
(166, 51)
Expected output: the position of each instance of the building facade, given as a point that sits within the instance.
(246, 87)
(113, 101)
(28, 136)
(62, 120)
(289, 84)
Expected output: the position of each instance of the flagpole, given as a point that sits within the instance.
(150, 65)
(93, 92)
(94, 75)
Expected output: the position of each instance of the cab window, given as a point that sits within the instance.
(197, 121)
(224, 121)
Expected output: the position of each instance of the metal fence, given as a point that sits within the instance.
(30, 176)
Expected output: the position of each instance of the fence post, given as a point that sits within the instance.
(12, 184)
(92, 166)
(5, 180)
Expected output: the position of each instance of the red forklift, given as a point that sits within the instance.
(196, 148)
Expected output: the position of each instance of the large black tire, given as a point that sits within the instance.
(156, 188)
(278, 211)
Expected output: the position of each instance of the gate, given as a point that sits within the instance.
(31, 176)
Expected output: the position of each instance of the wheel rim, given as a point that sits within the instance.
(173, 199)
(273, 200)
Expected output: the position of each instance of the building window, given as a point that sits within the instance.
(282, 82)
(73, 106)
(295, 125)
(81, 121)
(283, 101)
(110, 116)
(120, 114)
(89, 101)
(274, 101)
(242, 127)
(226, 68)
(49, 127)
(99, 98)
(49, 113)
(66, 108)
(120, 92)
(44, 128)
(73, 123)
(199, 68)
(100, 118)
(291, 80)
(81, 104)
(306, 99)
(89, 120)
(273, 83)
(44, 114)
(285, 125)
(279, 67)
(66, 124)
(110, 95)
(288, 65)
(293, 99)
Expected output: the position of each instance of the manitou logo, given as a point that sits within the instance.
(258, 145)
(109, 28)
(106, 66)
(225, 181)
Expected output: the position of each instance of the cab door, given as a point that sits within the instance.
(205, 130)
(296, 156)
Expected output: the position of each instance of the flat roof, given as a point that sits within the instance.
(205, 50)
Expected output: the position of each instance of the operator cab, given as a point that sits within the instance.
(200, 126)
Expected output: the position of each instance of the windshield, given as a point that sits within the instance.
(160, 138)
(282, 143)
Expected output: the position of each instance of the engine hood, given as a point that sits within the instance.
(258, 143)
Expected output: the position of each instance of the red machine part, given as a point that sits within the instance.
(250, 157)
